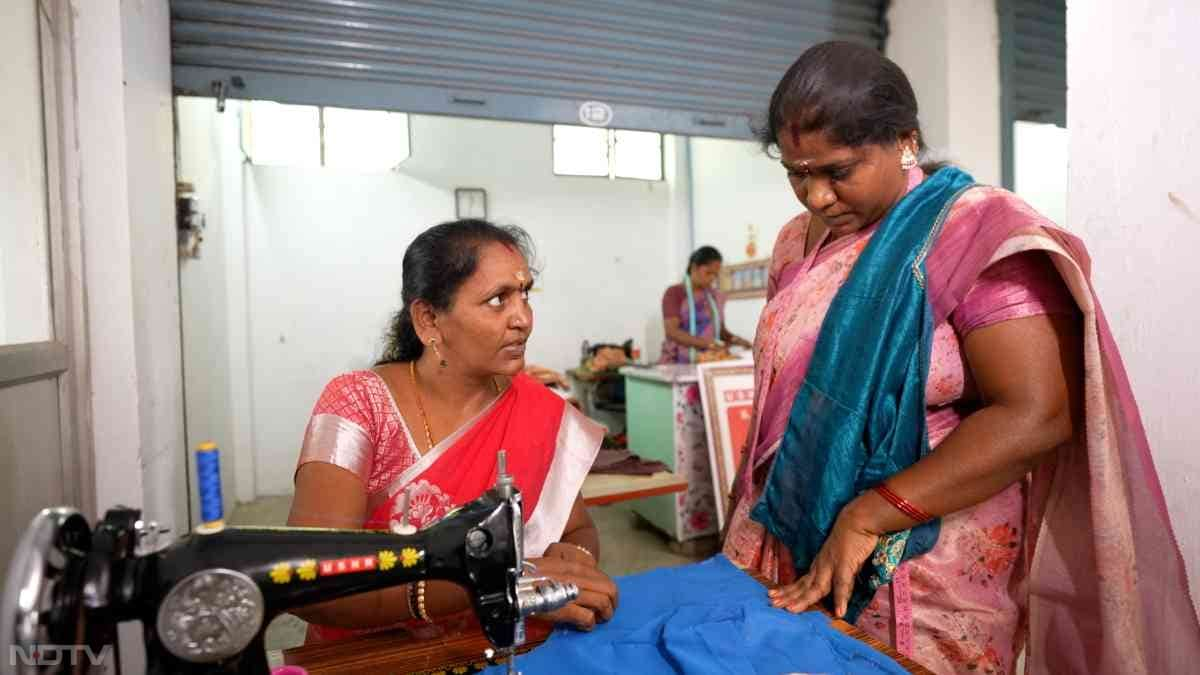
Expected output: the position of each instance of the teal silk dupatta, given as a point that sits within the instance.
(859, 416)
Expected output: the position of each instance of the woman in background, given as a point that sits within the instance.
(693, 312)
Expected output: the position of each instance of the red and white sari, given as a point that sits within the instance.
(549, 447)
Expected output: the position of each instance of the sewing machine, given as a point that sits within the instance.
(206, 599)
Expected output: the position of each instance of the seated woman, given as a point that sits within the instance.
(423, 427)
(693, 311)
(944, 445)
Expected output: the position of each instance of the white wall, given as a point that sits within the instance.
(1040, 168)
(104, 196)
(209, 322)
(322, 253)
(127, 219)
(1133, 108)
(601, 242)
(24, 263)
(950, 51)
(678, 174)
(232, 215)
(918, 42)
(973, 36)
(323, 262)
(735, 184)
(149, 139)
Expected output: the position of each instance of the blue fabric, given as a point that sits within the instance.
(859, 416)
(702, 619)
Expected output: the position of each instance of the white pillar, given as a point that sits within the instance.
(213, 287)
(950, 51)
(1133, 111)
(122, 56)
(108, 250)
(149, 118)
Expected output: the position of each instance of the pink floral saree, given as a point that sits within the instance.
(1078, 563)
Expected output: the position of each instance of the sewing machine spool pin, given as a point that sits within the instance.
(403, 526)
(504, 480)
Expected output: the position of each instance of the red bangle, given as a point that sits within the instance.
(902, 505)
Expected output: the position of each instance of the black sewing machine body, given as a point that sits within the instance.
(206, 599)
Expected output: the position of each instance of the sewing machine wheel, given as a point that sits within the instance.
(42, 594)
(210, 615)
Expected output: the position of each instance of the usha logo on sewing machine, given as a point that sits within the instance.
(56, 655)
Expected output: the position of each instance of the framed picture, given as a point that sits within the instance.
(727, 398)
(470, 203)
(746, 279)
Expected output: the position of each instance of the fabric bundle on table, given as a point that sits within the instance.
(702, 619)
(622, 462)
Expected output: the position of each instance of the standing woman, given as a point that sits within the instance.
(693, 312)
(945, 447)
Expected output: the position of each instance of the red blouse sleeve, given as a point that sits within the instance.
(673, 298)
(343, 430)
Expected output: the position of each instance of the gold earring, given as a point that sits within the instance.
(441, 359)
(908, 159)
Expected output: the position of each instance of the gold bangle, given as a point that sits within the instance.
(589, 553)
(409, 596)
(421, 613)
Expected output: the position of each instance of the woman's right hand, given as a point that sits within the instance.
(597, 593)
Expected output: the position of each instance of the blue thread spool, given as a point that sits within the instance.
(208, 478)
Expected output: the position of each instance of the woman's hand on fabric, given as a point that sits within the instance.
(833, 570)
(597, 593)
(571, 553)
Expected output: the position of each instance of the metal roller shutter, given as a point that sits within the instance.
(704, 67)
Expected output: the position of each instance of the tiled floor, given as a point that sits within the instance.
(627, 546)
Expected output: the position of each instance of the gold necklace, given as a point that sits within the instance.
(412, 372)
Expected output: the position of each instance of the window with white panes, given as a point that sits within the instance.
(610, 153)
(278, 134)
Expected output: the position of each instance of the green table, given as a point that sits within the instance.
(664, 421)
